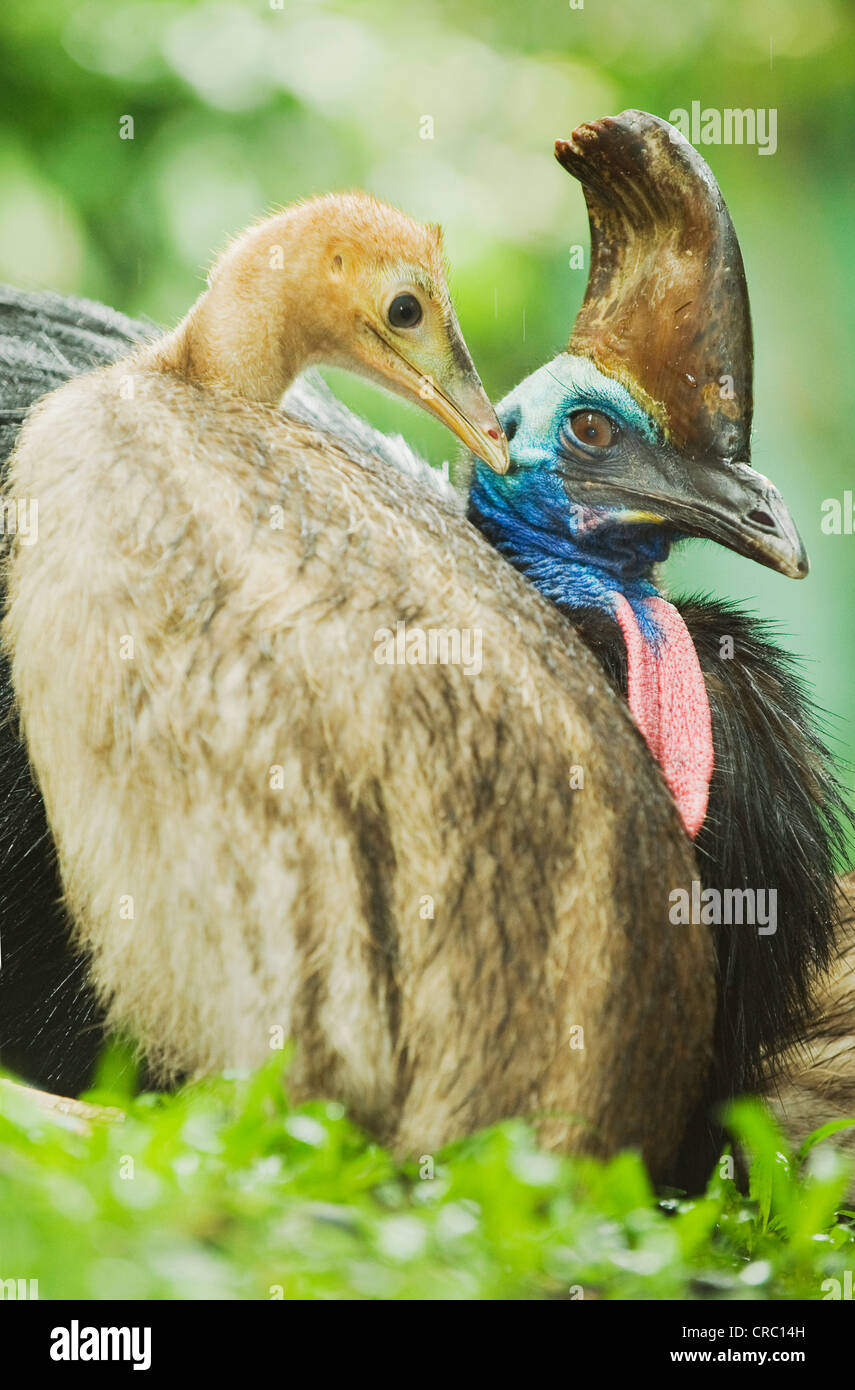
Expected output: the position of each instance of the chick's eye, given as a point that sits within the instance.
(593, 428)
(405, 311)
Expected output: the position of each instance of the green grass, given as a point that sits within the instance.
(225, 1190)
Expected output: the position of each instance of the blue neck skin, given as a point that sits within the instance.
(579, 557)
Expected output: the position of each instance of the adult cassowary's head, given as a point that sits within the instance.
(639, 433)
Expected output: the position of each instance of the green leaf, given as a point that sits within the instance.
(818, 1135)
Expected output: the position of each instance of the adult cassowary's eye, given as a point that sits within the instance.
(405, 311)
(593, 428)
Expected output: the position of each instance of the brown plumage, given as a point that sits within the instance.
(261, 828)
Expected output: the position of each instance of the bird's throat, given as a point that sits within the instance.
(251, 331)
(668, 700)
(612, 570)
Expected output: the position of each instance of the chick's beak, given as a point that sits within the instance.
(462, 404)
(444, 381)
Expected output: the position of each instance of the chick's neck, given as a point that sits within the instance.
(252, 330)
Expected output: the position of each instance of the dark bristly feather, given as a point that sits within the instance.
(51, 1026)
(777, 819)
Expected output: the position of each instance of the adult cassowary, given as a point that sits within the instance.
(636, 436)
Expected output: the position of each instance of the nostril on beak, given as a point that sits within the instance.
(761, 518)
(494, 434)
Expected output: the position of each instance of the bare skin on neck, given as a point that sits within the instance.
(342, 280)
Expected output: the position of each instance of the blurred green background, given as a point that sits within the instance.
(240, 106)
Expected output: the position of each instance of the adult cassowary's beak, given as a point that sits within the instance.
(735, 505)
(726, 502)
(666, 313)
(741, 509)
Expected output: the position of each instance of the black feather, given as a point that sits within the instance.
(51, 1026)
(776, 819)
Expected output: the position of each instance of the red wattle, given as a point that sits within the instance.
(668, 699)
